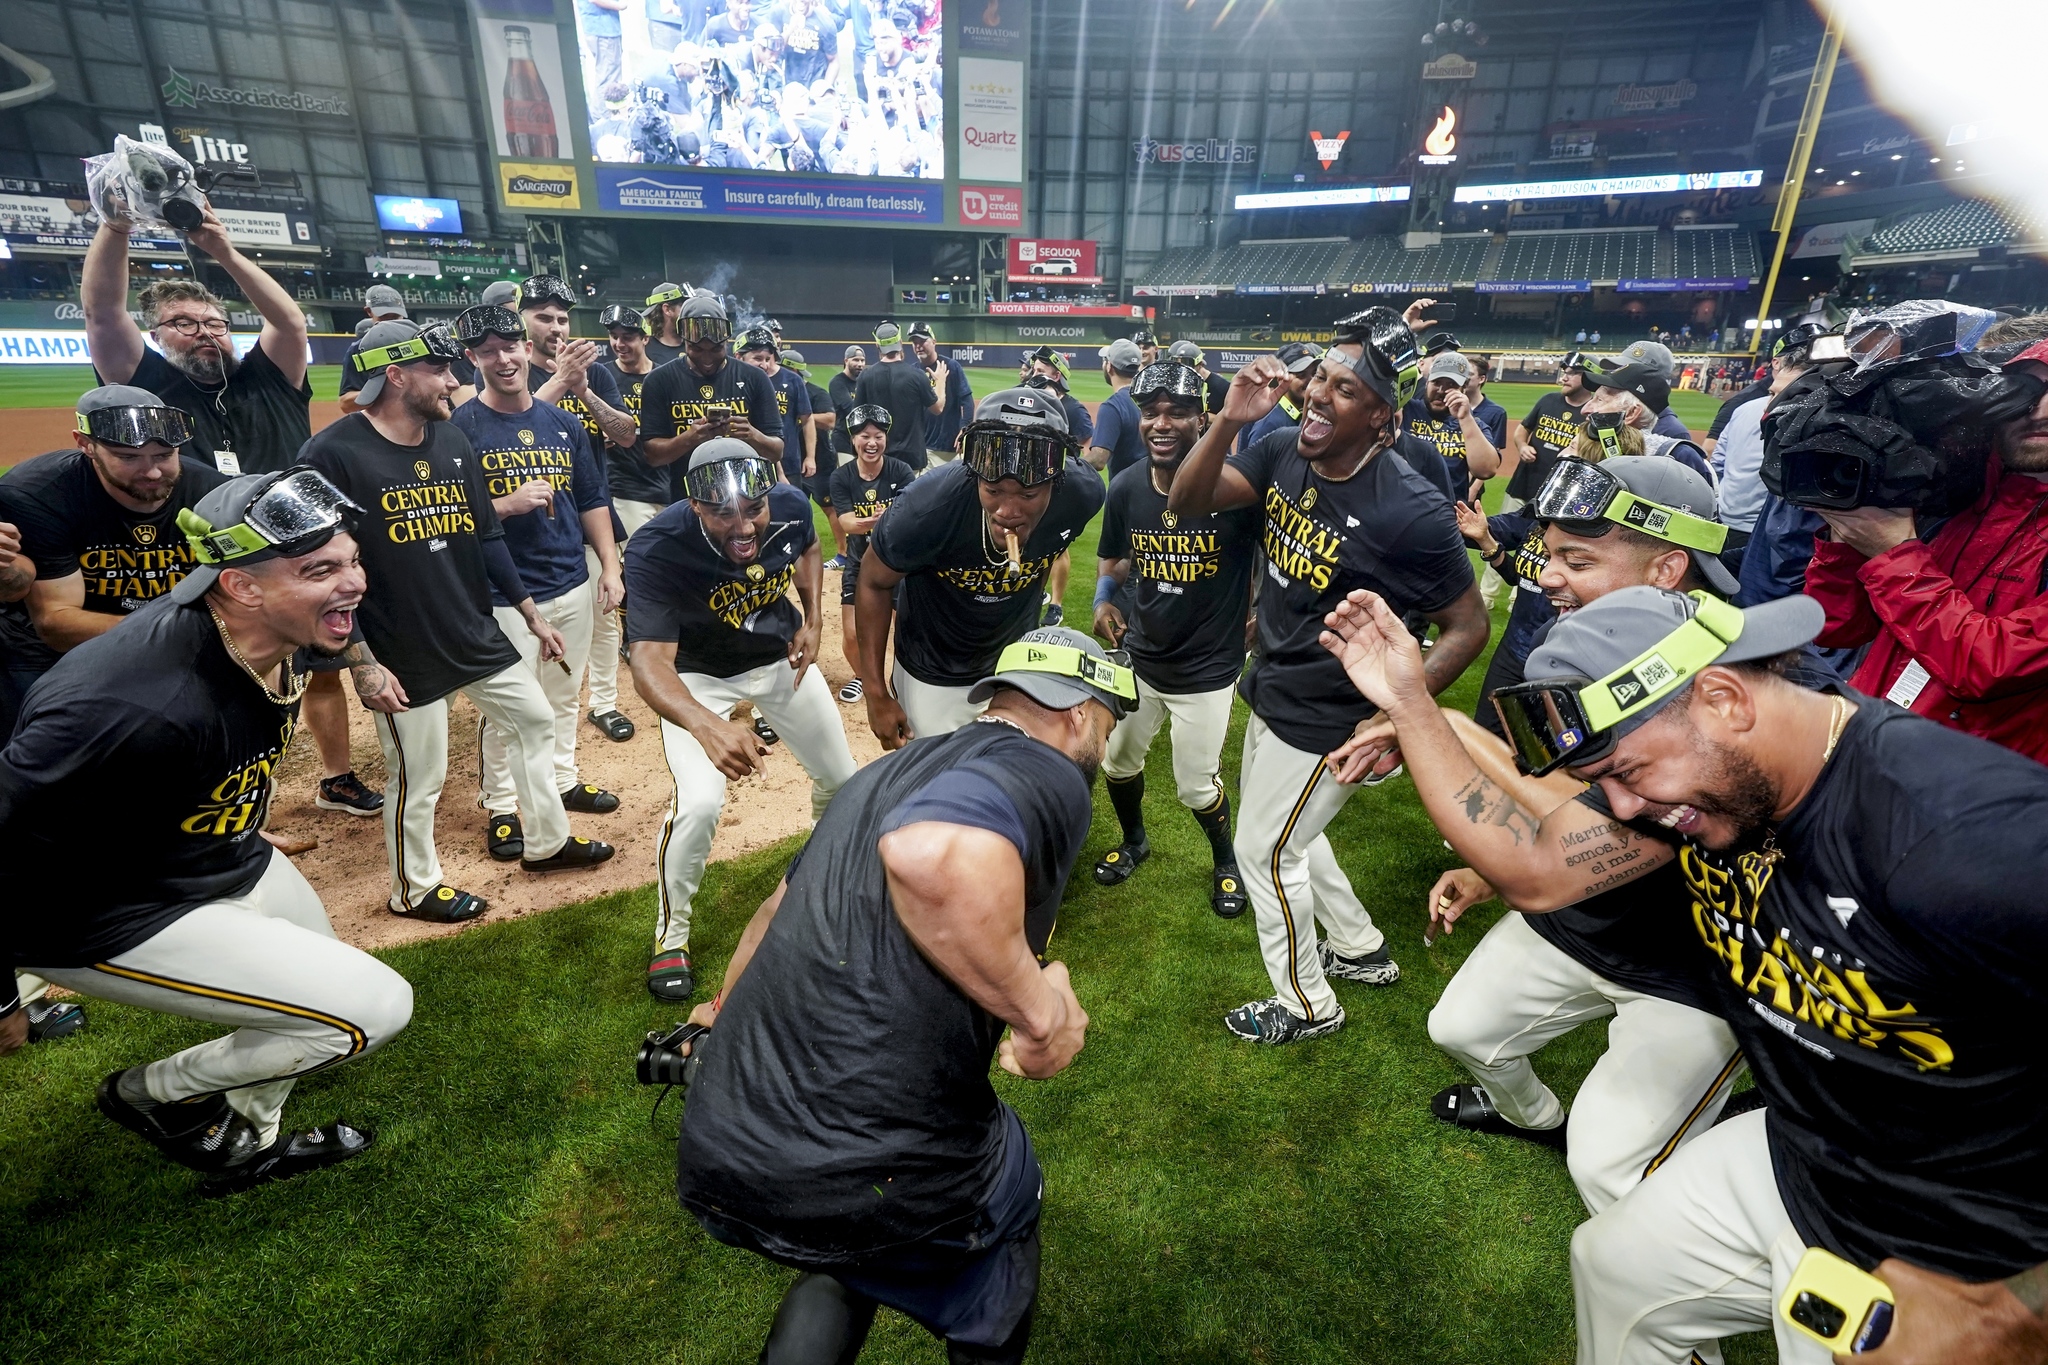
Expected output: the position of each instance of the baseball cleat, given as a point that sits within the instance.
(50, 1020)
(202, 1132)
(839, 562)
(292, 1154)
(587, 799)
(617, 728)
(445, 905)
(1115, 867)
(1226, 892)
(573, 856)
(765, 730)
(1374, 969)
(1272, 1023)
(348, 795)
(1370, 780)
(670, 976)
(852, 692)
(1471, 1108)
(504, 839)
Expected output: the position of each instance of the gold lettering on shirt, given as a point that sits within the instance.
(1177, 556)
(506, 468)
(996, 580)
(734, 600)
(1298, 546)
(421, 512)
(238, 802)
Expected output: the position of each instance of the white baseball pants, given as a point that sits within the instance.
(268, 964)
(808, 722)
(1286, 798)
(931, 709)
(604, 632)
(1661, 1082)
(1699, 1253)
(415, 744)
(574, 613)
(1201, 720)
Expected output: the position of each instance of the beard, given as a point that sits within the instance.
(1736, 790)
(427, 406)
(2023, 446)
(204, 365)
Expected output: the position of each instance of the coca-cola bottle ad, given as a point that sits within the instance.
(523, 63)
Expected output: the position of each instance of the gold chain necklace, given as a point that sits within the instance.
(298, 681)
(1838, 721)
(996, 557)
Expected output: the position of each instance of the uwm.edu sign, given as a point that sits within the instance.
(1037, 260)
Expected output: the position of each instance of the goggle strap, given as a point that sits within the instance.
(412, 348)
(223, 545)
(1654, 519)
(1065, 661)
(1665, 667)
(1610, 441)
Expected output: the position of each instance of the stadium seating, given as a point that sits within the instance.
(1383, 260)
(1713, 254)
(1601, 256)
(1954, 229)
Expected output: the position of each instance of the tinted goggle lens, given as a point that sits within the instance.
(137, 426)
(618, 315)
(1173, 380)
(728, 483)
(472, 325)
(299, 505)
(706, 329)
(1546, 726)
(1575, 492)
(546, 289)
(1029, 458)
(868, 415)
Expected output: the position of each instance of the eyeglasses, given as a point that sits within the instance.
(192, 327)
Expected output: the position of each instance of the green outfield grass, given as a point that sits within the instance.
(1207, 1202)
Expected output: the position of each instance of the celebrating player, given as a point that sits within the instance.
(970, 542)
(861, 491)
(712, 626)
(189, 706)
(707, 396)
(434, 550)
(1186, 632)
(1337, 517)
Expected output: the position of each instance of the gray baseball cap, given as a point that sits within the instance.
(503, 294)
(1054, 687)
(117, 396)
(1655, 354)
(1604, 635)
(1299, 356)
(853, 351)
(1123, 356)
(1447, 365)
(1668, 483)
(383, 334)
(1186, 352)
(384, 302)
(889, 337)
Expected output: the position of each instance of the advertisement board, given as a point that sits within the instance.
(1039, 260)
(1055, 308)
(411, 213)
(527, 101)
(992, 119)
(62, 227)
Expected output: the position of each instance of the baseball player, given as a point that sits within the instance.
(970, 543)
(862, 490)
(1442, 416)
(1670, 1061)
(188, 708)
(639, 490)
(1337, 517)
(712, 626)
(708, 395)
(541, 470)
(1186, 630)
(432, 545)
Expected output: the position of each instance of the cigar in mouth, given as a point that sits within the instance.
(1016, 560)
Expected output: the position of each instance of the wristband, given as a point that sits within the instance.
(1105, 588)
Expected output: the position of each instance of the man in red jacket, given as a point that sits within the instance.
(1957, 625)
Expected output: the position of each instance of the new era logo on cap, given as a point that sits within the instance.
(1654, 520)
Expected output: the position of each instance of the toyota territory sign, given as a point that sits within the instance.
(1040, 261)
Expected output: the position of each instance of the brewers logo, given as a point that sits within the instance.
(423, 469)
(525, 437)
(1308, 500)
(145, 534)
(756, 572)
(1169, 520)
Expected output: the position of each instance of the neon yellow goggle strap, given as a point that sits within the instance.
(221, 546)
(1666, 523)
(1066, 661)
(1665, 667)
(664, 296)
(412, 348)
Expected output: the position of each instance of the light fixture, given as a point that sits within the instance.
(1820, 170)
(1898, 156)
(1934, 160)
(1841, 182)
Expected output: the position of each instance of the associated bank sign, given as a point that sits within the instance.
(182, 92)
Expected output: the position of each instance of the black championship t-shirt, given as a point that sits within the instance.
(1193, 582)
(676, 395)
(1444, 434)
(723, 619)
(1553, 424)
(903, 387)
(840, 389)
(1530, 614)
(1631, 936)
(632, 478)
(71, 525)
(603, 383)
(660, 352)
(826, 453)
(427, 610)
(843, 1103)
(1885, 980)
(1385, 529)
(253, 424)
(857, 496)
(958, 606)
(154, 728)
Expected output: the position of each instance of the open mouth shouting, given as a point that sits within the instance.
(1316, 426)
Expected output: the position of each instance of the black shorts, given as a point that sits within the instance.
(849, 583)
(819, 486)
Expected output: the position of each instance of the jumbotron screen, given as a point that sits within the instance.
(852, 89)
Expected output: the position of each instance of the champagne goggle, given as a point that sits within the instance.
(1170, 378)
(671, 294)
(425, 346)
(1552, 722)
(1578, 493)
(137, 426)
(868, 415)
(996, 453)
(542, 290)
(729, 483)
(472, 325)
(295, 515)
(706, 327)
(618, 315)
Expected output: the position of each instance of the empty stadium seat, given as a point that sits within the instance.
(1598, 255)
(1959, 227)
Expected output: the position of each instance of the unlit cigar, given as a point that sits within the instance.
(1016, 560)
(563, 664)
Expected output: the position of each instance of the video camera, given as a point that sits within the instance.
(661, 1060)
(142, 183)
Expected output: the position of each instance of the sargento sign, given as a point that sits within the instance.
(1211, 152)
(1040, 260)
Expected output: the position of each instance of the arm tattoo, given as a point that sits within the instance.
(616, 425)
(358, 654)
(2030, 1287)
(1486, 804)
(15, 582)
(368, 678)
